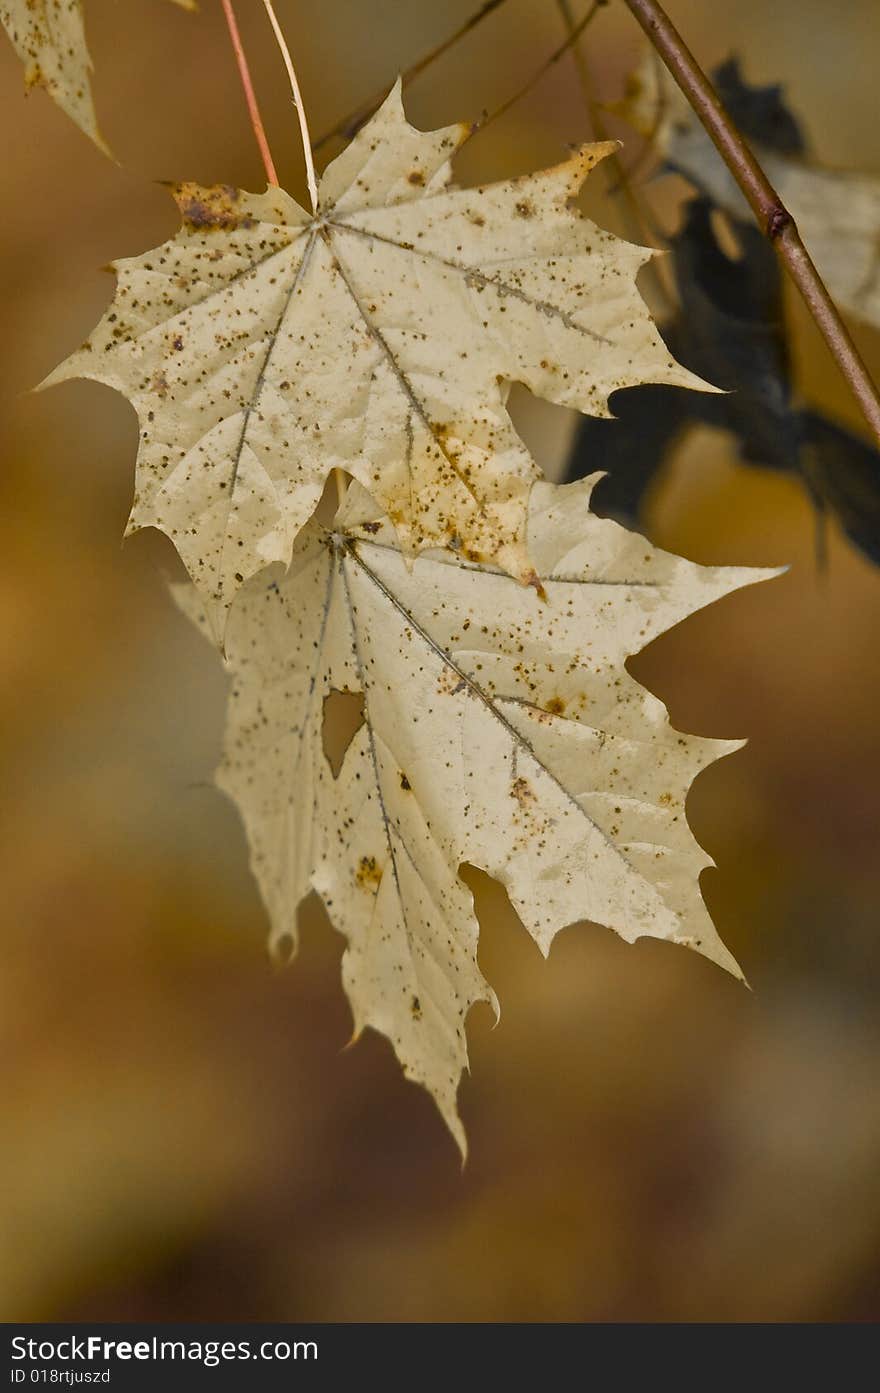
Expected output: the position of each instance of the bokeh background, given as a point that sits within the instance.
(183, 1134)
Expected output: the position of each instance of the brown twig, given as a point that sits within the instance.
(573, 36)
(773, 217)
(351, 124)
(249, 93)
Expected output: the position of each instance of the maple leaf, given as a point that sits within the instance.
(500, 728)
(49, 37)
(837, 211)
(263, 347)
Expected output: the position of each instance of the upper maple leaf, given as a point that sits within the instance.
(49, 37)
(264, 346)
(500, 728)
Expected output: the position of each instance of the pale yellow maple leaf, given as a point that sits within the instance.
(837, 212)
(263, 347)
(49, 38)
(500, 729)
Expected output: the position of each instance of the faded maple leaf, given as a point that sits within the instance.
(837, 211)
(500, 728)
(49, 38)
(264, 346)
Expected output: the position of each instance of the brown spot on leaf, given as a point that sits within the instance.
(534, 580)
(523, 792)
(450, 683)
(369, 872)
(211, 210)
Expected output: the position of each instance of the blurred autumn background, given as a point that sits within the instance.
(183, 1135)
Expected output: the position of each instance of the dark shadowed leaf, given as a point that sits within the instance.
(730, 330)
(759, 112)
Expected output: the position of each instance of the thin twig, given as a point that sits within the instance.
(636, 223)
(560, 52)
(579, 58)
(351, 124)
(249, 93)
(649, 137)
(613, 164)
(298, 103)
(773, 217)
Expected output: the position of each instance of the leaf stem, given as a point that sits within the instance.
(249, 93)
(772, 216)
(298, 103)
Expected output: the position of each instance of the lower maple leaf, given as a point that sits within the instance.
(500, 729)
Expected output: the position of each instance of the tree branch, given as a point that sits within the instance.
(772, 216)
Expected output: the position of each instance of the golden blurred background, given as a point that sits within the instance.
(183, 1135)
